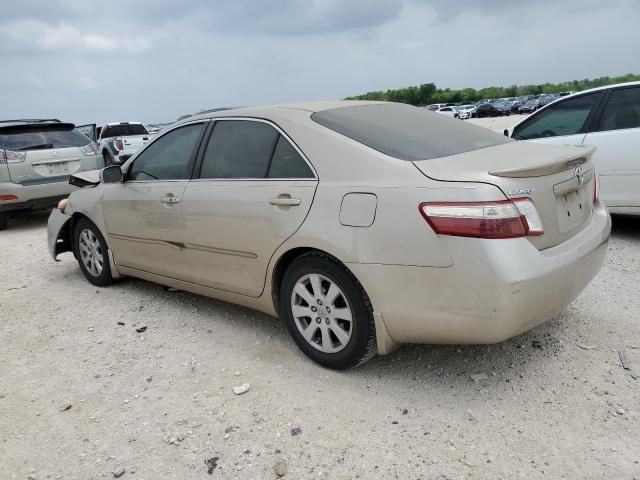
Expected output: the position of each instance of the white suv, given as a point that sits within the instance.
(36, 159)
(606, 117)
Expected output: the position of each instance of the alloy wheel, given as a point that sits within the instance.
(91, 252)
(322, 313)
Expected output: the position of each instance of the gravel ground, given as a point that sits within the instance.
(85, 395)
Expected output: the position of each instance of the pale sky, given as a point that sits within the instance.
(152, 60)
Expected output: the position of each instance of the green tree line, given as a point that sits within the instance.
(428, 93)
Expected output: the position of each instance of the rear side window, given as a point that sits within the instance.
(124, 130)
(406, 132)
(622, 110)
(239, 149)
(567, 117)
(31, 139)
(287, 162)
(250, 149)
(170, 157)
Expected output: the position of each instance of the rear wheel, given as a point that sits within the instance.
(91, 251)
(4, 221)
(327, 311)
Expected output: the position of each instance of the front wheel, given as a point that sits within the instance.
(327, 312)
(92, 253)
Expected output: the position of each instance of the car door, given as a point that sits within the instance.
(143, 213)
(617, 138)
(251, 191)
(565, 122)
(88, 130)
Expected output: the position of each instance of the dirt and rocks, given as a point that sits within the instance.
(135, 382)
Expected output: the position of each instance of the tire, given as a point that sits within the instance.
(333, 341)
(91, 251)
(108, 159)
(4, 221)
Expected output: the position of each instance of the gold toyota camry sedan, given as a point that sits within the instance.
(363, 225)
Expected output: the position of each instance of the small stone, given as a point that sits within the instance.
(280, 467)
(118, 472)
(296, 431)
(538, 344)
(620, 411)
(405, 411)
(477, 377)
(237, 374)
(240, 389)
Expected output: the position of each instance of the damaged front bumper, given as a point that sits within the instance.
(58, 235)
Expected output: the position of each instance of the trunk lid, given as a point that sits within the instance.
(42, 166)
(558, 179)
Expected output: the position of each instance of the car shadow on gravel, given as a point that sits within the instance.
(31, 220)
(437, 365)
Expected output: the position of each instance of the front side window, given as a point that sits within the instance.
(622, 110)
(170, 157)
(564, 118)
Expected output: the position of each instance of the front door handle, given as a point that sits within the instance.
(170, 199)
(285, 201)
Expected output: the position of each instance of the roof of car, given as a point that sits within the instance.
(311, 107)
(111, 124)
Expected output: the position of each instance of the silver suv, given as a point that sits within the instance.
(36, 159)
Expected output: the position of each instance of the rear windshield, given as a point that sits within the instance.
(42, 139)
(406, 132)
(124, 130)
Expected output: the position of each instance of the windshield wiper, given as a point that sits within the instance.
(42, 146)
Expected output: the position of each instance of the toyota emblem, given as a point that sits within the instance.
(579, 174)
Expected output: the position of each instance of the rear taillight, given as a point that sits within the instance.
(499, 219)
(8, 156)
(118, 143)
(90, 149)
(596, 185)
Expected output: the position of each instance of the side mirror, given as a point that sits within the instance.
(112, 174)
(506, 132)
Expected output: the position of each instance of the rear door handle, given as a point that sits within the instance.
(170, 199)
(285, 201)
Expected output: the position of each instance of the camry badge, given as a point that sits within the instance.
(579, 174)
(520, 191)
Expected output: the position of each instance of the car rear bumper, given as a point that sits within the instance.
(33, 197)
(494, 290)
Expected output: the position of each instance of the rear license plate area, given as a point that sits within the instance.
(57, 168)
(573, 208)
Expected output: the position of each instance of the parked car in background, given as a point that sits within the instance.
(36, 159)
(531, 106)
(448, 111)
(607, 118)
(488, 110)
(503, 106)
(336, 215)
(119, 140)
(466, 111)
